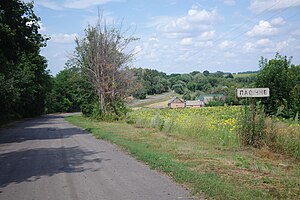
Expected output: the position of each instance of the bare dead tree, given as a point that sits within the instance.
(103, 54)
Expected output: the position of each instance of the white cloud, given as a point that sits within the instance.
(282, 45)
(229, 2)
(264, 42)
(264, 45)
(204, 44)
(226, 44)
(155, 39)
(208, 35)
(264, 28)
(186, 41)
(258, 6)
(196, 15)
(249, 47)
(196, 20)
(278, 21)
(49, 4)
(148, 51)
(63, 38)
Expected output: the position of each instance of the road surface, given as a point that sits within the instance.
(48, 158)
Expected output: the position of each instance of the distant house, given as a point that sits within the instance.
(205, 98)
(175, 102)
(194, 104)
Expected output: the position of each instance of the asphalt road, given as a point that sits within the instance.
(48, 158)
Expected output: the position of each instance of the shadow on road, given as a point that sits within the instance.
(35, 133)
(25, 159)
(31, 165)
(46, 127)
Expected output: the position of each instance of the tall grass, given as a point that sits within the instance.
(279, 136)
(230, 126)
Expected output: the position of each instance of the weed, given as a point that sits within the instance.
(242, 162)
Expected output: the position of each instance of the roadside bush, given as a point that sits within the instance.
(281, 137)
(252, 132)
(117, 110)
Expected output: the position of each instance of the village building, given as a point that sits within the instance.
(194, 104)
(176, 102)
(205, 98)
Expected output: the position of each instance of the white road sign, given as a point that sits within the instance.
(252, 92)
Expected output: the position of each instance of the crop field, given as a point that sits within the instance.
(215, 123)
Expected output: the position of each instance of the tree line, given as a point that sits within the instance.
(24, 80)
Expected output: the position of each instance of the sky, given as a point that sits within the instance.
(179, 36)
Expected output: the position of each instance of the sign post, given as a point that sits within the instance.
(252, 93)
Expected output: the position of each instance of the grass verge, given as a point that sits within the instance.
(218, 171)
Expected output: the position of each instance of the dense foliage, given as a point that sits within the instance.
(151, 82)
(191, 85)
(283, 79)
(70, 91)
(24, 80)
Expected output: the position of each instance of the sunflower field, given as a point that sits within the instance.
(218, 124)
(221, 125)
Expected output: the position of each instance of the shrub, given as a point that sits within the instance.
(281, 137)
(251, 132)
(140, 94)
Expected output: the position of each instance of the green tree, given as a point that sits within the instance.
(229, 76)
(152, 81)
(140, 94)
(178, 88)
(294, 73)
(24, 80)
(187, 96)
(274, 74)
(192, 86)
(206, 73)
(71, 91)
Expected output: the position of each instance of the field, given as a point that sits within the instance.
(152, 101)
(244, 75)
(199, 148)
(212, 123)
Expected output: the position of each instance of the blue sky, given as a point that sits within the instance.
(179, 36)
